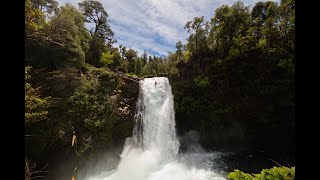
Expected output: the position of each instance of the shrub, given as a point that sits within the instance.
(275, 173)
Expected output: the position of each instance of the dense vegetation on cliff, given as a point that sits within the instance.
(233, 81)
(241, 85)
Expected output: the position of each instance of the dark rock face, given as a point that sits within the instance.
(125, 98)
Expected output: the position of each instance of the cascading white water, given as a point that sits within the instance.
(155, 125)
(152, 152)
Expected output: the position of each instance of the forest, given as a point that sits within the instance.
(233, 81)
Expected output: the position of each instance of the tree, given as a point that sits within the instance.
(179, 47)
(197, 42)
(48, 6)
(228, 24)
(72, 29)
(117, 60)
(36, 22)
(35, 26)
(138, 67)
(197, 39)
(95, 13)
(62, 41)
(102, 35)
(123, 51)
(32, 16)
(130, 55)
(287, 23)
(249, 57)
(270, 31)
(144, 58)
(91, 111)
(124, 66)
(106, 58)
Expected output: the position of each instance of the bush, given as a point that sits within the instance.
(275, 173)
(201, 81)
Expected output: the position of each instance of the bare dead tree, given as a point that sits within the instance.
(31, 172)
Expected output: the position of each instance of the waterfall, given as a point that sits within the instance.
(152, 152)
(154, 122)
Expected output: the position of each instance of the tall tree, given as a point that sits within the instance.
(197, 40)
(130, 56)
(144, 58)
(138, 66)
(228, 24)
(48, 6)
(287, 23)
(179, 47)
(101, 33)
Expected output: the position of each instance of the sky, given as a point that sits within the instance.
(155, 25)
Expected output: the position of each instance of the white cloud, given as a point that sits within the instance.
(155, 25)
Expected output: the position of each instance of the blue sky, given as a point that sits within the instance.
(155, 25)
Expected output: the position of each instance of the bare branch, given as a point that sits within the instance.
(274, 161)
(37, 177)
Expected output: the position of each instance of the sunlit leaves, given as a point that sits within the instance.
(35, 106)
(239, 175)
(33, 17)
(275, 173)
(106, 58)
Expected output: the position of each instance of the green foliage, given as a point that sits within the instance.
(35, 105)
(179, 47)
(60, 43)
(48, 6)
(173, 70)
(197, 41)
(101, 35)
(33, 17)
(130, 54)
(138, 67)
(94, 12)
(234, 52)
(106, 58)
(157, 67)
(124, 66)
(275, 173)
(262, 43)
(91, 110)
(238, 68)
(227, 24)
(201, 81)
(287, 64)
(116, 60)
(239, 175)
